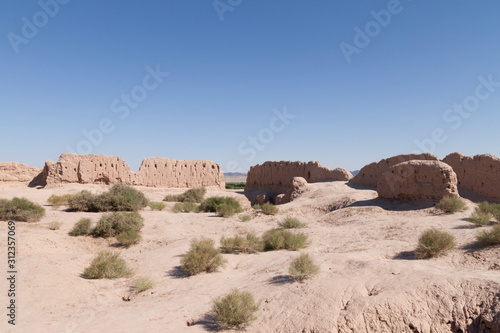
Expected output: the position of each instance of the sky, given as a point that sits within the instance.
(242, 82)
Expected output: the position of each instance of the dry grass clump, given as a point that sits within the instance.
(191, 195)
(490, 237)
(235, 309)
(291, 223)
(57, 201)
(107, 265)
(81, 228)
(450, 204)
(20, 210)
(278, 239)
(129, 238)
(157, 205)
(303, 267)
(185, 207)
(269, 209)
(120, 197)
(480, 218)
(113, 224)
(245, 218)
(143, 283)
(433, 243)
(55, 225)
(492, 209)
(238, 244)
(202, 257)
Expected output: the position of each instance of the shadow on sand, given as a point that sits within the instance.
(281, 279)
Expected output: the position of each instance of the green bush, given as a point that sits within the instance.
(191, 195)
(303, 267)
(235, 309)
(143, 283)
(492, 209)
(490, 237)
(113, 224)
(450, 204)
(291, 223)
(480, 218)
(433, 243)
(202, 257)
(278, 239)
(185, 207)
(120, 197)
(81, 228)
(129, 238)
(237, 244)
(235, 186)
(269, 209)
(107, 265)
(82, 202)
(58, 200)
(157, 205)
(55, 225)
(483, 207)
(223, 206)
(245, 218)
(20, 210)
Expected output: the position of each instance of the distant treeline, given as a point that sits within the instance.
(235, 186)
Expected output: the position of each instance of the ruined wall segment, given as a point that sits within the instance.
(17, 172)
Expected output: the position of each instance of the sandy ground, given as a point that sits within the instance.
(368, 279)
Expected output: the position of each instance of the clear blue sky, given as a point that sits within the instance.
(360, 85)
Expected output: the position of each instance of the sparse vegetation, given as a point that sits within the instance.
(303, 267)
(433, 243)
(143, 283)
(238, 244)
(278, 239)
(113, 224)
(291, 223)
(492, 209)
(202, 257)
(107, 265)
(223, 206)
(257, 207)
(191, 195)
(489, 237)
(81, 228)
(185, 207)
(57, 201)
(450, 204)
(245, 218)
(55, 225)
(235, 186)
(120, 197)
(129, 238)
(480, 218)
(20, 210)
(269, 209)
(157, 205)
(235, 309)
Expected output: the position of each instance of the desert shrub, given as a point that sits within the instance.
(483, 207)
(107, 265)
(58, 200)
(235, 186)
(303, 267)
(278, 239)
(235, 309)
(21, 210)
(210, 204)
(291, 223)
(82, 202)
(202, 257)
(480, 218)
(257, 206)
(143, 283)
(81, 228)
(245, 218)
(490, 237)
(55, 225)
(113, 224)
(223, 206)
(450, 204)
(185, 207)
(433, 243)
(157, 205)
(120, 197)
(269, 209)
(191, 195)
(238, 244)
(495, 211)
(129, 238)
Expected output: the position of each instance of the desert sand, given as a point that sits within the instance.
(368, 282)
